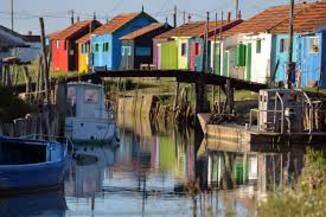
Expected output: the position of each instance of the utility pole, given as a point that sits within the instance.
(206, 44)
(237, 9)
(291, 66)
(12, 14)
(175, 16)
(184, 17)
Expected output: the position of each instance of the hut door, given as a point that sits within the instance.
(248, 62)
(226, 61)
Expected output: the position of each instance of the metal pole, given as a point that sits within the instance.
(237, 9)
(206, 67)
(290, 67)
(175, 17)
(12, 14)
(72, 17)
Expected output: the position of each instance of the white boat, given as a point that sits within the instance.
(88, 118)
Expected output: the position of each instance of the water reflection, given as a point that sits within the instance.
(157, 171)
(49, 204)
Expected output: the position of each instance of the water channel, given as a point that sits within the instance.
(156, 171)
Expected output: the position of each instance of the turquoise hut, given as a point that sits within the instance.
(106, 44)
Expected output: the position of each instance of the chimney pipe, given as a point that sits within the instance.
(229, 16)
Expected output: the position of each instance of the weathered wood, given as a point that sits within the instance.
(176, 97)
(61, 103)
(45, 61)
(27, 80)
(229, 91)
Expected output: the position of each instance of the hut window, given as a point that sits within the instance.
(57, 44)
(91, 96)
(126, 51)
(284, 45)
(72, 100)
(106, 47)
(97, 47)
(197, 48)
(143, 51)
(313, 45)
(183, 49)
(258, 46)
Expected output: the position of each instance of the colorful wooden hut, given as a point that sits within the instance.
(247, 49)
(64, 48)
(137, 47)
(106, 44)
(186, 43)
(84, 53)
(309, 47)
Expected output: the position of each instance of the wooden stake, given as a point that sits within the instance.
(45, 62)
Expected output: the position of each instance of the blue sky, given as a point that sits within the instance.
(56, 12)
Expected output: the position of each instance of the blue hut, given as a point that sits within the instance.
(106, 44)
(309, 47)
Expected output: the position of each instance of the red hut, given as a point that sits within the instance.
(64, 47)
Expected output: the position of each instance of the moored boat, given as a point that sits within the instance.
(27, 164)
(88, 118)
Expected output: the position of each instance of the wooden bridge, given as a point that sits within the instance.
(182, 76)
(200, 79)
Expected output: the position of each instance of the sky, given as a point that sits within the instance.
(57, 16)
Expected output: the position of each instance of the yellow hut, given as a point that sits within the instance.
(84, 54)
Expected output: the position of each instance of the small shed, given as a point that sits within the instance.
(137, 47)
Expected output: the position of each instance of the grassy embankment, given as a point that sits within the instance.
(307, 198)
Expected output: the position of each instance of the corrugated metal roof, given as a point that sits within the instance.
(266, 20)
(119, 21)
(310, 19)
(9, 38)
(73, 29)
(195, 29)
(142, 31)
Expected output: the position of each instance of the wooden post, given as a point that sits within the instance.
(45, 62)
(61, 103)
(290, 67)
(201, 97)
(27, 81)
(175, 17)
(176, 97)
(1, 70)
(229, 97)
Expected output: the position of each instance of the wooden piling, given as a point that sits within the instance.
(45, 62)
(61, 103)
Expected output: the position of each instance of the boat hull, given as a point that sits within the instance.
(89, 130)
(33, 176)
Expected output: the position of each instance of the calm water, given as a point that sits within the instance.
(159, 173)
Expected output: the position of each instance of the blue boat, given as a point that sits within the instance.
(27, 164)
